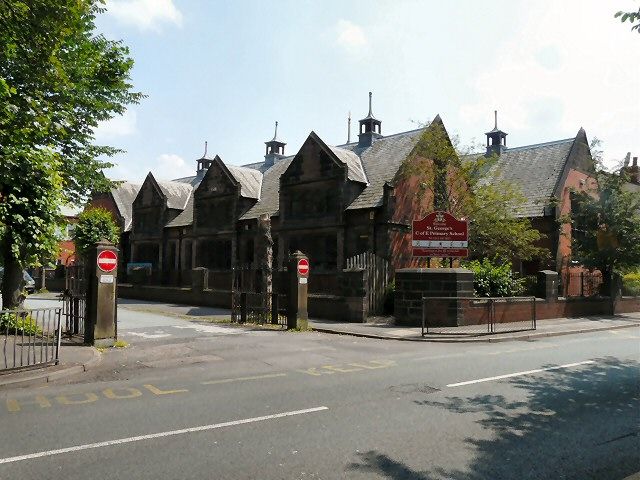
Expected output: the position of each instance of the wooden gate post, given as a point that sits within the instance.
(101, 277)
(298, 267)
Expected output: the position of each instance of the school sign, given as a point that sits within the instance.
(440, 235)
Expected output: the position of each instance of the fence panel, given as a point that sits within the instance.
(29, 338)
(378, 274)
(481, 315)
(581, 284)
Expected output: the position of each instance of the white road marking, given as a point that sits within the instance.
(517, 374)
(148, 335)
(209, 329)
(170, 433)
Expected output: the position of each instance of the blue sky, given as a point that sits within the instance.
(224, 71)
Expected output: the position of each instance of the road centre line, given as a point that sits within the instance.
(170, 433)
(517, 374)
(241, 379)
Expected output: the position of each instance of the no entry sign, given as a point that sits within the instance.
(303, 267)
(107, 261)
(440, 234)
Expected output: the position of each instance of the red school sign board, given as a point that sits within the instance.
(440, 235)
(107, 261)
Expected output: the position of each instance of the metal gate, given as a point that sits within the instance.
(378, 274)
(74, 300)
(29, 338)
(250, 302)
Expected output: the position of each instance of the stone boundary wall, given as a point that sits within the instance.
(351, 306)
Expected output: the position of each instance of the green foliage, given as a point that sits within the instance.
(17, 324)
(606, 225)
(58, 80)
(94, 225)
(30, 194)
(631, 284)
(633, 17)
(456, 180)
(494, 279)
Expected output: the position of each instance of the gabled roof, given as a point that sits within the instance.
(185, 217)
(355, 172)
(177, 193)
(374, 166)
(536, 170)
(381, 162)
(269, 202)
(123, 196)
(250, 180)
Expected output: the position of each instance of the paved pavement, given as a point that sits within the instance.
(284, 405)
(544, 328)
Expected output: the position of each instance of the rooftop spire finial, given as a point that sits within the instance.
(495, 115)
(205, 149)
(370, 112)
(275, 134)
(349, 127)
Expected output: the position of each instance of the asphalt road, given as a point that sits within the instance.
(240, 404)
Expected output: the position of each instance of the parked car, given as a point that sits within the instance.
(29, 283)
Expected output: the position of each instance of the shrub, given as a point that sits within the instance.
(631, 284)
(494, 279)
(16, 324)
(94, 225)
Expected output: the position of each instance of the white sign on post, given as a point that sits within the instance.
(106, 278)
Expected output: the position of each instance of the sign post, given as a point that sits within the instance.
(440, 235)
(299, 268)
(102, 269)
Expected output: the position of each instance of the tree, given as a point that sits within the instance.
(58, 79)
(447, 177)
(633, 17)
(93, 225)
(606, 226)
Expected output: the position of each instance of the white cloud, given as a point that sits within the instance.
(122, 125)
(171, 166)
(145, 14)
(351, 37)
(566, 67)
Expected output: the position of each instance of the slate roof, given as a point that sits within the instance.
(177, 193)
(372, 165)
(536, 170)
(250, 180)
(381, 161)
(185, 217)
(269, 202)
(123, 196)
(355, 172)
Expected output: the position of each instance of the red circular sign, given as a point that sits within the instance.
(107, 261)
(303, 266)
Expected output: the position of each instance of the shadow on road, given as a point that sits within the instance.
(576, 424)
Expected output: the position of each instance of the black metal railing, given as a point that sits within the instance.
(74, 301)
(29, 338)
(477, 315)
(251, 308)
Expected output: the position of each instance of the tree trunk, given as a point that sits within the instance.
(12, 281)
